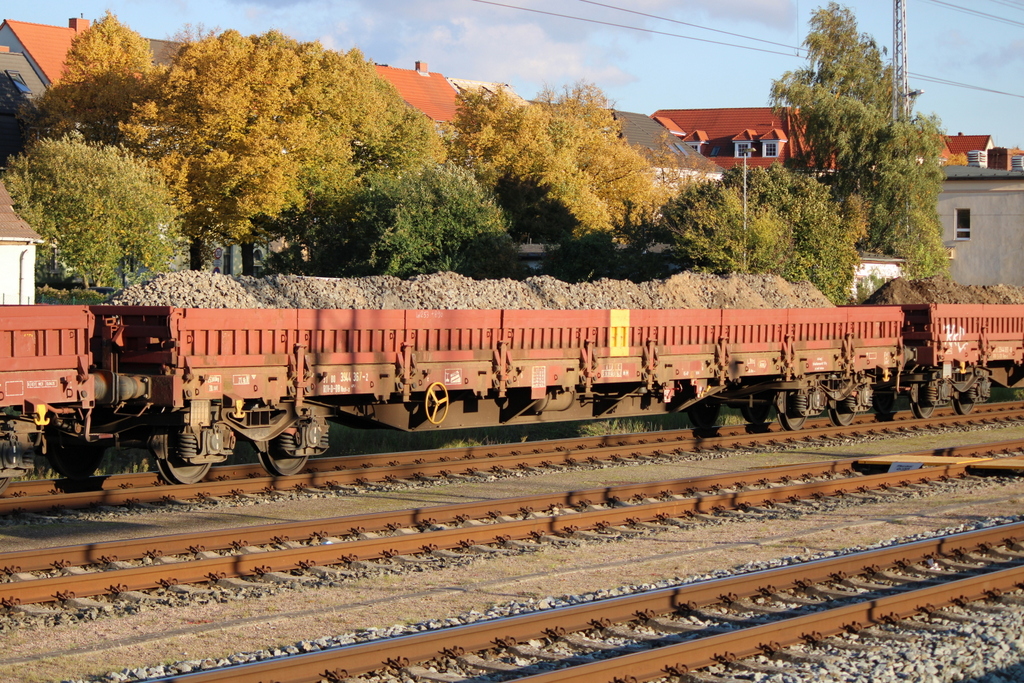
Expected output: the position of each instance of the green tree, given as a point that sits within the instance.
(107, 70)
(103, 210)
(794, 229)
(558, 165)
(841, 107)
(439, 219)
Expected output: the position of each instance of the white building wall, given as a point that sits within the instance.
(17, 274)
(992, 254)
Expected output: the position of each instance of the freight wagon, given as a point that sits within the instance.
(190, 383)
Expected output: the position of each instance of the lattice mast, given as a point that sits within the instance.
(900, 87)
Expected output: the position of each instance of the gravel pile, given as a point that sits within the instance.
(942, 290)
(194, 289)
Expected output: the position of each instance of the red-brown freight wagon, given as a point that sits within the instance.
(192, 381)
(955, 352)
(44, 374)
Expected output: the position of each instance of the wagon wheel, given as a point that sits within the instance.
(172, 467)
(279, 458)
(790, 423)
(840, 417)
(4, 483)
(74, 459)
(436, 403)
(920, 410)
(704, 415)
(756, 413)
(965, 401)
(884, 403)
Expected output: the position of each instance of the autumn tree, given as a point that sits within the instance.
(249, 129)
(558, 165)
(107, 70)
(841, 106)
(104, 211)
(793, 228)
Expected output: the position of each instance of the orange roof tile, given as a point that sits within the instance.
(697, 136)
(431, 93)
(670, 125)
(962, 144)
(773, 134)
(47, 45)
(746, 135)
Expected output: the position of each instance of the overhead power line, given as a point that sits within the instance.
(976, 13)
(637, 28)
(796, 50)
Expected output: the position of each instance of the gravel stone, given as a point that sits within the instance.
(450, 291)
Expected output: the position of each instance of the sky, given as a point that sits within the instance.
(645, 59)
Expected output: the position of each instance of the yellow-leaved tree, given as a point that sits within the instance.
(559, 165)
(107, 70)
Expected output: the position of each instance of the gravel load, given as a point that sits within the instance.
(941, 290)
(195, 289)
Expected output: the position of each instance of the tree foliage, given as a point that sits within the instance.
(841, 107)
(246, 128)
(439, 219)
(103, 210)
(794, 229)
(557, 165)
(107, 70)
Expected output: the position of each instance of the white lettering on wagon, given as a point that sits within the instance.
(41, 384)
(242, 380)
(614, 370)
(453, 376)
(954, 338)
(539, 377)
(213, 383)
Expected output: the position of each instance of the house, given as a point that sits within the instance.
(982, 214)
(727, 135)
(431, 93)
(46, 47)
(17, 254)
(659, 142)
(19, 85)
(965, 144)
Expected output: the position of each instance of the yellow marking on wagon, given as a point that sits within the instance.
(618, 332)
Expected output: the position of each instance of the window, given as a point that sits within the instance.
(963, 224)
(19, 82)
(695, 146)
(742, 149)
(770, 149)
(714, 151)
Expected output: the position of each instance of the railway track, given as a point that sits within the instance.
(680, 630)
(290, 551)
(37, 496)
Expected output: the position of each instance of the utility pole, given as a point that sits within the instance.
(900, 89)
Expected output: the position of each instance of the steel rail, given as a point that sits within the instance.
(444, 462)
(362, 658)
(685, 438)
(499, 530)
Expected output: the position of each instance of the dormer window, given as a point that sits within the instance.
(742, 149)
(695, 146)
(770, 149)
(19, 82)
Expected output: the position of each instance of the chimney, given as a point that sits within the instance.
(421, 68)
(999, 158)
(78, 25)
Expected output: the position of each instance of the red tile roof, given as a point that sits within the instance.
(962, 144)
(719, 128)
(431, 93)
(12, 227)
(47, 45)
